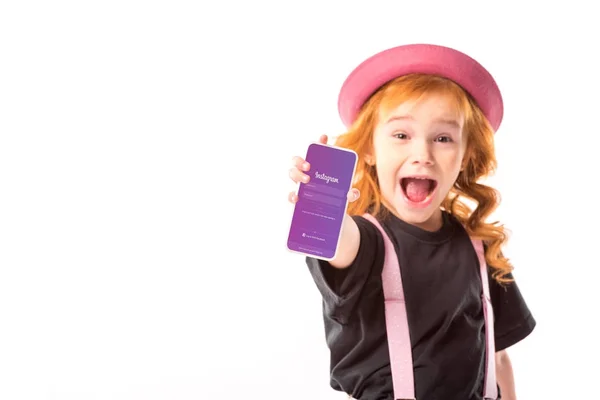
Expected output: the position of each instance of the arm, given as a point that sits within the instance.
(513, 322)
(349, 244)
(504, 376)
(341, 287)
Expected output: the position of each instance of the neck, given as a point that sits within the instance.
(433, 224)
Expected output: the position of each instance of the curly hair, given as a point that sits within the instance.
(479, 156)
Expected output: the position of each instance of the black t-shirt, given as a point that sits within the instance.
(442, 285)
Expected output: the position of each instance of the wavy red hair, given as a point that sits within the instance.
(470, 201)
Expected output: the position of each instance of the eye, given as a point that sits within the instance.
(444, 139)
(400, 135)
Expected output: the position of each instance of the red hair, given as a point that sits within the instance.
(479, 156)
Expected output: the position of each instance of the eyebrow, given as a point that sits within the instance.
(444, 121)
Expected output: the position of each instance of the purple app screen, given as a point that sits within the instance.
(319, 212)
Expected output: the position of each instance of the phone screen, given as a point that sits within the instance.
(322, 202)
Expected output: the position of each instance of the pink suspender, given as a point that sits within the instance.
(397, 324)
(490, 390)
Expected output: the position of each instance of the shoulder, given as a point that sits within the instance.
(367, 227)
(513, 319)
(371, 247)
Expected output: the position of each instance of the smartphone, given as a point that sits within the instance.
(322, 202)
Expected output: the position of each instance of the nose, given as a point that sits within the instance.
(421, 153)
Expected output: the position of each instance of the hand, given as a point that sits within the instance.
(299, 166)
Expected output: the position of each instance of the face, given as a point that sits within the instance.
(418, 150)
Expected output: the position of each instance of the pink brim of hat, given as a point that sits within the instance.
(387, 65)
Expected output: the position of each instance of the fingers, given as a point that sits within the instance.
(297, 171)
(299, 163)
(298, 176)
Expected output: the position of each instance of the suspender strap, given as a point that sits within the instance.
(397, 323)
(490, 389)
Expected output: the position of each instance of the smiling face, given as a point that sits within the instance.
(418, 149)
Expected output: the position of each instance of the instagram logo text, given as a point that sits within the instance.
(326, 178)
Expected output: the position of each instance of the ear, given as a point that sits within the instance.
(467, 150)
(369, 159)
(465, 162)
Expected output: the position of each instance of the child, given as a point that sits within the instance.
(422, 120)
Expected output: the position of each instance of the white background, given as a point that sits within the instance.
(144, 155)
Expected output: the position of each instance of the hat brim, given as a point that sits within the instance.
(387, 65)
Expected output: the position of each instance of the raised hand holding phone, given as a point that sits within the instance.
(320, 225)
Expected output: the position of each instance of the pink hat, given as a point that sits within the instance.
(383, 67)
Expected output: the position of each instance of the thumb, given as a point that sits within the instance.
(353, 195)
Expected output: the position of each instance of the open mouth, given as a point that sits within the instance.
(418, 189)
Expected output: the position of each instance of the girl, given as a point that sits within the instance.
(422, 120)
